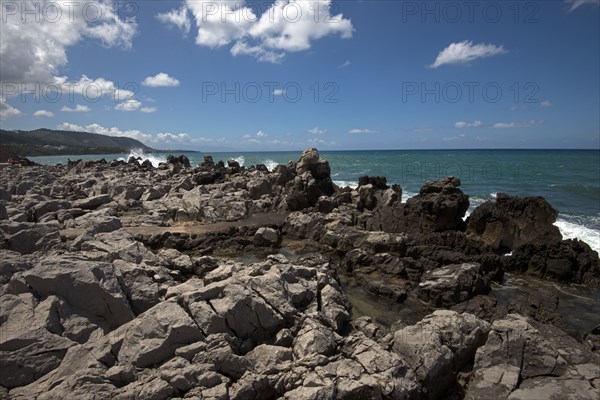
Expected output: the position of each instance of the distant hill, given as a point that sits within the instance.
(48, 142)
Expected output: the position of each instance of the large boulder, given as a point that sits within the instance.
(569, 260)
(439, 206)
(87, 285)
(453, 284)
(153, 337)
(313, 180)
(522, 359)
(439, 346)
(511, 221)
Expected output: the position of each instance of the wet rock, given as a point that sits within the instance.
(511, 221)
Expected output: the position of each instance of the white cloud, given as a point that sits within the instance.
(317, 131)
(96, 128)
(148, 139)
(346, 63)
(517, 124)
(258, 52)
(8, 111)
(546, 104)
(179, 18)
(247, 136)
(43, 113)
(160, 80)
(261, 134)
(78, 108)
(279, 92)
(465, 52)
(361, 131)
(286, 26)
(148, 110)
(172, 138)
(93, 89)
(128, 105)
(33, 50)
(474, 124)
(578, 3)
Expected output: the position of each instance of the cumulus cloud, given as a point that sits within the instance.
(317, 131)
(78, 108)
(474, 124)
(160, 80)
(465, 52)
(43, 113)
(517, 124)
(33, 50)
(96, 128)
(93, 89)
(361, 131)
(163, 138)
(178, 18)
(574, 4)
(129, 105)
(286, 26)
(546, 104)
(8, 111)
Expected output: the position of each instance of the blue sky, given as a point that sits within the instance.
(372, 75)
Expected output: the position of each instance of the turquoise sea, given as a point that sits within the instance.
(568, 179)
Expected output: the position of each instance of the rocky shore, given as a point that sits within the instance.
(121, 280)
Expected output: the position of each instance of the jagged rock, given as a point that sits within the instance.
(378, 182)
(567, 260)
(267, 237)
(439, 206)
(454, 284)
(91, 203)
(259, 187)
(30, 344)
(521, 360)
(208, 161)
(314, 339)
(181, 160)
(90, 286)
(27, 238)
(440, 346)
(153, 337)
(511, 221)
(3, 213)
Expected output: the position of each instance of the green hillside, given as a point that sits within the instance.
(47, 142)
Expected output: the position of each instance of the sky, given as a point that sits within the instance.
(286, 75)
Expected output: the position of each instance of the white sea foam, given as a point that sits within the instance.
(570, 230)
(270, 164)
(240, 160)
(138, 153)
(352, 184)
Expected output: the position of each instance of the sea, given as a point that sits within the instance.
(568, 179)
